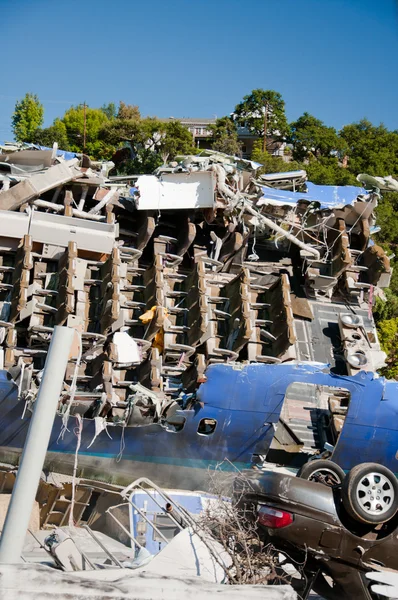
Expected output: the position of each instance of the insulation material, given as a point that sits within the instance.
(126, 348)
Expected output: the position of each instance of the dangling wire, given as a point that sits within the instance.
(72, 392)
(78, 433)
(254, 256)
(122, 446)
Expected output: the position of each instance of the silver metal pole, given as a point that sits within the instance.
(103, 547)
(34, 452)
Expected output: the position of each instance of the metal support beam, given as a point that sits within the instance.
(33, 455)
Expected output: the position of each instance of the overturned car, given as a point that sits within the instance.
(333, 535)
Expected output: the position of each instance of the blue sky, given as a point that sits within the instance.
(336, 59)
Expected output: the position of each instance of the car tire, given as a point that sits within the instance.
(322, 471)
(370, 493)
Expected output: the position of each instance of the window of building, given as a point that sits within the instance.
(244, 149)
(198, 131)
(207, 426)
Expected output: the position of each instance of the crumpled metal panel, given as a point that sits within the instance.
(328, 196)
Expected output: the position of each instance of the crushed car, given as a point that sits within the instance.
(333, 535)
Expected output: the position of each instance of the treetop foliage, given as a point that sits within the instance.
(251, 111)
(371, 149)
(128, 111)
(27, 118)
(225, 137)
(310, 137)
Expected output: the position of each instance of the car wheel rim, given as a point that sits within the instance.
(375, 494)
(325, 476)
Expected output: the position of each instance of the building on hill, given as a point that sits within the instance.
(203, 136)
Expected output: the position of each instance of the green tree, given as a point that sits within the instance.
(388, 337)
(28, 116)
(144, 143)
(176, 139)
(55, 133)
(251, 111)
(328, 171)
(225, 137)
(371, 149)
(386, 214)
(73, 120)
(128, 111)
(271, 164)
(109, 110)
(384, 310)
(120, 130)
(150, 142)
(311, 137)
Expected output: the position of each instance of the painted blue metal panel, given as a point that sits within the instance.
(65, 153)
(245, 401)
(328, 196)
(193, 502)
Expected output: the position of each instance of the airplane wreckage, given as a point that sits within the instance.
(220, 314)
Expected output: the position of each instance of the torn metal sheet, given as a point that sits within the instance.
(388, 184)
(67, 155)
(327, 196)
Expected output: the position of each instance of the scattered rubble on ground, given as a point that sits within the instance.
(114, 542)
(24, 582)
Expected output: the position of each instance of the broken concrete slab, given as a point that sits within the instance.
(189, 555)
(28, 582)
(29, 158)
(60, 230)
(31, 188)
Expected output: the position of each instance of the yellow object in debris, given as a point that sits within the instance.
(148, 315)
(158, 341)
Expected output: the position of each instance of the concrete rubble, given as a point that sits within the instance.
(91, 561)
(164, 274)
(25, 582)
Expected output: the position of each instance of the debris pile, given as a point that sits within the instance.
(202, 262)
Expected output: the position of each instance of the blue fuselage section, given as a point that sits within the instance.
(246, 403)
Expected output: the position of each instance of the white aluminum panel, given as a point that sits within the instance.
(59, 231)
(13, 224)
(176, 191)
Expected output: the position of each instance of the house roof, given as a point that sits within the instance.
(199, 121)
